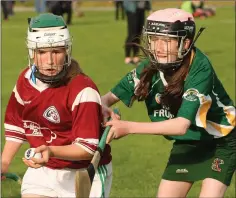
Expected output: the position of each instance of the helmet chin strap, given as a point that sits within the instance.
(50, 79)
(33, 78)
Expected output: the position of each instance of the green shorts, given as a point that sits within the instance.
(196, 160)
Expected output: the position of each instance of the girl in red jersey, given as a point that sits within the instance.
(57, 110)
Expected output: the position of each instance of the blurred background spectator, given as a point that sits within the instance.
(4, 10)
(40, 6)
(119, 7)
(198, 9)
(10, 5)
(135, 12)
(61, 8)
(7, 9)
(76, 8)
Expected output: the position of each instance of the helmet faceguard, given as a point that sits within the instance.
(48, 31)
(170, 25)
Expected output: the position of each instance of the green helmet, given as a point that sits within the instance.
(48, 31)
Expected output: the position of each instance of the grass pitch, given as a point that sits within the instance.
(98, 40)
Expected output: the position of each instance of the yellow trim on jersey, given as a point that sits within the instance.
(218, 130)
(191, 57)
(205, 104)
(230, 114)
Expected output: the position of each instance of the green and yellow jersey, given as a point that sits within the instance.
(204, 102)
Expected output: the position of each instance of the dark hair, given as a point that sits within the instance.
(72, 71)
(172, 94)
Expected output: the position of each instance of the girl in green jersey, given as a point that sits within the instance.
(186, 103)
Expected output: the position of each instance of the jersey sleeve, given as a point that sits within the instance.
(86, 119)
(196, 100)
(13, 125)
(125, 89)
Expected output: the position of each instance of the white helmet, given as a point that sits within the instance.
(47, 31)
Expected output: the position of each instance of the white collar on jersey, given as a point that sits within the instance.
(39, 85)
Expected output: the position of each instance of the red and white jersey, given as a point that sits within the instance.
(65, 115)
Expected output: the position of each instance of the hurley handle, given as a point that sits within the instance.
(12, 176)
(102, 142)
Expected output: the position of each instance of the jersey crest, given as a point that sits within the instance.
(191, 94)
(216, 164)
(158, 98)
(52, 114)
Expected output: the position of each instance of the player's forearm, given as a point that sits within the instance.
(70, 152)
(9, 151)
(109, 99)
(177, 126)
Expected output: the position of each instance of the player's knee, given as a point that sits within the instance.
(212, 188)
(173, 189)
